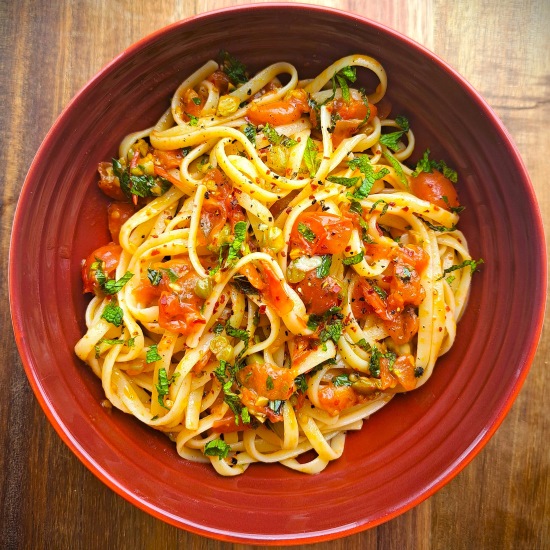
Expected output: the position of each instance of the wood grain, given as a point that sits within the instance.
(48, 499)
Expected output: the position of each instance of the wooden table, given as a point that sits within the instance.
(49, 50)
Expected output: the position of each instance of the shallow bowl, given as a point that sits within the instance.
(406, 451)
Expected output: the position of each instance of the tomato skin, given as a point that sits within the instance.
(117, 214)
(179, 313)
(271, 288)
(109, 255)
(335, 399)
(227, 424)
(402, 287)
(218, 208)
(267, 380)
(179, 306)
(319, 295)
(432, 187)
(331, 233)
(168, 159)
(403, 370)
(188, 102)
(108, 182)
(220, 80)
(278, 113)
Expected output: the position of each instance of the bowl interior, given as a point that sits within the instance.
(404, 452)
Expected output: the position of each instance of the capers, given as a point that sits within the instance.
(203, 288)
(221, 348)
(364, 386)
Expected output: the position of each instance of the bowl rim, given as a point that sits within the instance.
(120, 488)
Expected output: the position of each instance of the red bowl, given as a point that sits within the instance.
(406, 451)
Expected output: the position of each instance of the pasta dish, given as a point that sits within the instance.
(279, 268)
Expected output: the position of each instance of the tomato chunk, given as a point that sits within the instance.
(174, 293)
(106, 258)
(267, 380)
(335, 399)
(320, 233)
(319, 295)
(117, 214)
(434, 187)
(277, 113)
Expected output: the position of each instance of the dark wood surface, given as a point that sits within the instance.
(48, 499)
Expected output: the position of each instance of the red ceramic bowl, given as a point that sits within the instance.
(404, 452)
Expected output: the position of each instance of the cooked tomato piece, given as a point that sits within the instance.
(106, 258)
(249, 398)
(319, 295)
(320, 233)
(174, 292)
(220, 80)
(180, 312)
(434, 187)
(403, 370)
(267, 380)
(219, 207)
(109, 183)
(168, 159)
(403, 325)
(191, 104)
(269, 285)
(335, 399)
(117, 214)
(228, 424)
(283, 111)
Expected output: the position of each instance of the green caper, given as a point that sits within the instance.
(203, 288)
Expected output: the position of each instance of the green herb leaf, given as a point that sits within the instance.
(197, 100)
(217, 447)
(277, 139)
(154, 276)
(237, 333)
(301, 383)
(233, 68)
(363, 164)
(352, 260)
(311, 157)
(324, 269)
(440, 228)
(113, 314)
(473, 264)
(112, 287)
(269, 383)
(344, 87)
(391, 140)
(152, 354)
(363, 344)
(403, 123)
(384, 208)
(217, 329)
(162, 386)
(306, 232)
(172, 275)
(396, 165)
(250, 132)
(332, 331)
(193, 120)
(424, 164)
(341, 380)
(346, 182)
(235, 246)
